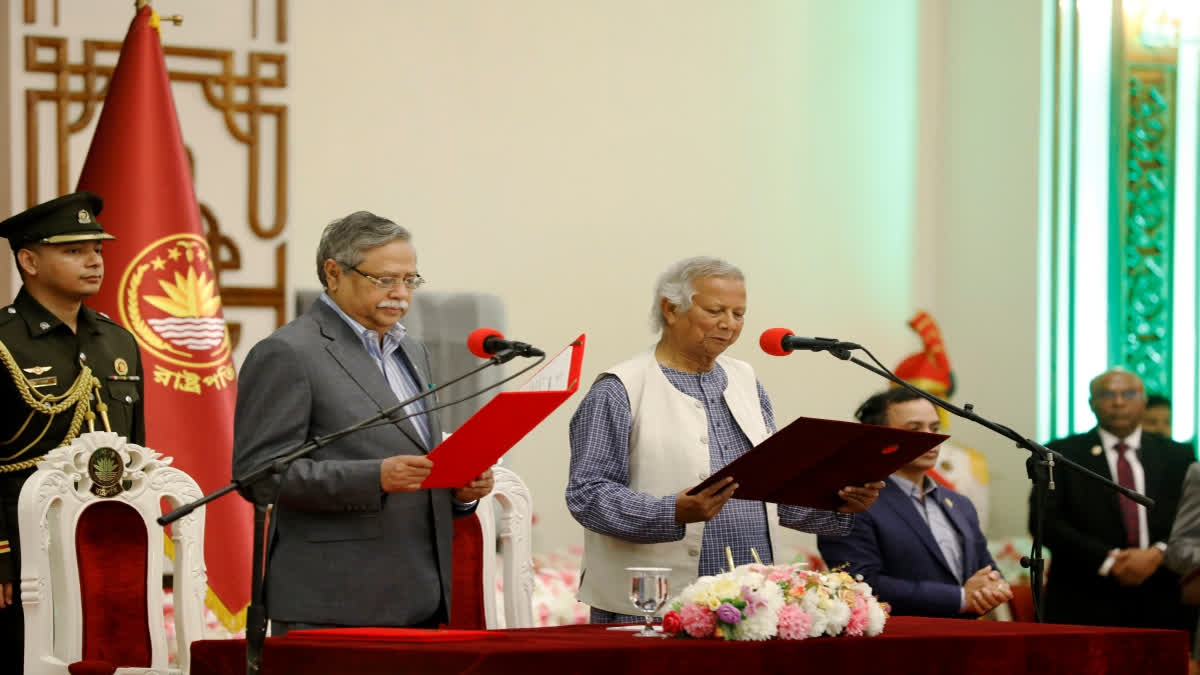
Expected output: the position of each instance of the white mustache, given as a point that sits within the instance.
(401, 305)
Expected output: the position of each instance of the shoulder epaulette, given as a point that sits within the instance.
(106, 317)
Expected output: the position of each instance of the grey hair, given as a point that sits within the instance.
(676, 284)
(347, 240)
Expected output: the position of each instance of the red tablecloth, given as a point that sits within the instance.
(909, 645)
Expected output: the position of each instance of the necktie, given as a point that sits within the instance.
(1129, 513)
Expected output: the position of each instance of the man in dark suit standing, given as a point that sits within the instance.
(355, 540)
(1107, 551)
(919, 545)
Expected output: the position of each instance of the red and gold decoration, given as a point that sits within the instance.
(959, 468)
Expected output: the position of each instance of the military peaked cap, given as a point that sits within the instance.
(67, 219)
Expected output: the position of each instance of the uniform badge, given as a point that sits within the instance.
(121, 367)
(36, 382)
(37, 370)
(1096, 450)
(949, 504)
(84, 217)
(105, 468)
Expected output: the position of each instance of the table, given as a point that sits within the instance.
(908, 645)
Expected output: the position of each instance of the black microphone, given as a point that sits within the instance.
(781, 342)
(483, 342)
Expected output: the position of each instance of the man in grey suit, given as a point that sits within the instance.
(1183, 547)
(354, 540)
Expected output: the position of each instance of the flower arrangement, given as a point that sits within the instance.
(760, 602)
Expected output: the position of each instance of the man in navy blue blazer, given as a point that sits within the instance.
(919, 546)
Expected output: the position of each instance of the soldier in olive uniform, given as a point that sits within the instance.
(64, 369)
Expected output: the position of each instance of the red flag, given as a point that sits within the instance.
(160, 283)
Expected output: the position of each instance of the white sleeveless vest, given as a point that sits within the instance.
(668, 451)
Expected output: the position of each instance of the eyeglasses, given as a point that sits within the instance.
(1125, 395)
(411, 282)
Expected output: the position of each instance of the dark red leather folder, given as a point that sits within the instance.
(809, 460)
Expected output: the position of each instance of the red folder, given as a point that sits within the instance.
(809, 460)
(497, 427)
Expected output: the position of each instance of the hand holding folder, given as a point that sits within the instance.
(809, 460)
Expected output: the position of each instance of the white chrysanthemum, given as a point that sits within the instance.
(726, 586)
(864, 589)
(696, 592)
(839, 616)
(876, 617)
(763, 624)
(811, 601)
(820, 621)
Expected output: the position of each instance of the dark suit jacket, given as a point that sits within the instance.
(1083, 522)
(341, 551)
(893, 548)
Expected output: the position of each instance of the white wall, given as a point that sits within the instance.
(986, 259)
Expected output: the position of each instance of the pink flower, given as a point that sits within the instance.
(698, 621)
(672, 623)
(779, 574)
(754, 601)
(858, 619)
(794, 623)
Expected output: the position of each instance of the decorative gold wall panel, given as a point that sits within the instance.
(78, 88)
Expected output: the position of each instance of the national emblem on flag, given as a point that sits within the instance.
(168, 298)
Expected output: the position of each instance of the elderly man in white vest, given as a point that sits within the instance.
(656, 425)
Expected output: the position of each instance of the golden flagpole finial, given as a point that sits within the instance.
(176, 19)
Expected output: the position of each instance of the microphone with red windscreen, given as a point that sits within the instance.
(781, 342)
(485, 342)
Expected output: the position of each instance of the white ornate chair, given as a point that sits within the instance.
(92, 560)
(503, 524)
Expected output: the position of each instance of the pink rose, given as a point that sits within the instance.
(698, 621)
(672, 623)
(793, 623)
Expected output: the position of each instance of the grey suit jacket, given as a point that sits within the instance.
(1183, 548)
(341, 551)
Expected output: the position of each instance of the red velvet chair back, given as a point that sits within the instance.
(92, 561)
(467, 587)
(1022, 603)
(499, 530)
(111, 545)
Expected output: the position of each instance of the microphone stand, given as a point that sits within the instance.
(256, 614)
(1039, 466)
